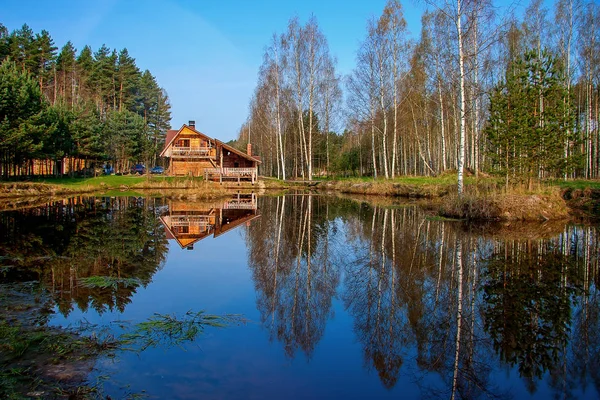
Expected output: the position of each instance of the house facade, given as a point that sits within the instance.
(193, 153)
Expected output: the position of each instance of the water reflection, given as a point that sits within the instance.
(292, 258)
(189, 222)
(64, 241)
(445, 309)
(430, 298)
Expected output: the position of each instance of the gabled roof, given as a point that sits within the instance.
(172, 134)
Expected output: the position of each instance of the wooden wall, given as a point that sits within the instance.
(230, 160)
(195, 168)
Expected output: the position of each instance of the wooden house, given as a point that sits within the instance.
(189, 222)
(191, 152)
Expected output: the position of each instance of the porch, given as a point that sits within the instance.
(231, 173)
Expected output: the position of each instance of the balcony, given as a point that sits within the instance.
(194, 152)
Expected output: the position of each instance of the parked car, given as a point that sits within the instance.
(138, 169)
(157, 170)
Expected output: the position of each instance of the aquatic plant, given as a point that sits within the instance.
(103, 282)
(163, 330)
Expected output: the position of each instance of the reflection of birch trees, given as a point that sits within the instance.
(425, 288)
(293, 258)
(431, 300)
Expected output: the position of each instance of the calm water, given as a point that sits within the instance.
(344, 299)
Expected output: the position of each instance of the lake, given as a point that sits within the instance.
(324, 297)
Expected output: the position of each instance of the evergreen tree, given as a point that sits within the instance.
(4, 42)
(103, 77)
(85, 66)
(58, 142)
(21, 44)
(529, 123)
(127, 79)
(65, 74)
(44, 56)
(87, 132)
(21, 129)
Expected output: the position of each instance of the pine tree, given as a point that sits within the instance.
(21, 103)
(85, 67)
(66, 70)
(44, 56)
(127, 79)
(529, 123)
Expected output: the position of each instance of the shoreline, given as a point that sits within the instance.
(482, 201)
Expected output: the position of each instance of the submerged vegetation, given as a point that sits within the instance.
(169, 330)
(40, 361)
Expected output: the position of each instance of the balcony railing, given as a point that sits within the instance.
(193, 152)
(187, 220)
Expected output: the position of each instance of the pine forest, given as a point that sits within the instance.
(66, 111)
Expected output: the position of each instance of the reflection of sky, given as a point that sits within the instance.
(237, 362)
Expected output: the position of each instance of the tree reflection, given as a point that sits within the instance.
(528, 297)
(431, 298)
(82, 237)
(293, 257)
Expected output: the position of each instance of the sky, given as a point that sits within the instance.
(205, 53)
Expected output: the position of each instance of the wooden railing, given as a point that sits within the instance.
(194, 152)
(235, 173)
(186, 220)
(240, 205)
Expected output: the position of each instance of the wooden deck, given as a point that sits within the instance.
(231, 173)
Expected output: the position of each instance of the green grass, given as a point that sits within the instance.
(576, 184)
(112, 180)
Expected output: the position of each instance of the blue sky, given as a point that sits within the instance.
(205, 53)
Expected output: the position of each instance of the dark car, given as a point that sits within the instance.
(157, 170)
(138, 169)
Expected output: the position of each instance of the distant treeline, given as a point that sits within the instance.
(479, 89)
(67, 111)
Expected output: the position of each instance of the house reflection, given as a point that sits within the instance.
(189, 222)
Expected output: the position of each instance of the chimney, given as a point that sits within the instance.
(249, 149)
(192, 124)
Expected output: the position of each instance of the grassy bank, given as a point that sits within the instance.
(48, 187)
(507, 206)
(485, 198)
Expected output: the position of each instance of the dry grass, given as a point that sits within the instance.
(388, 188)
(510, 206)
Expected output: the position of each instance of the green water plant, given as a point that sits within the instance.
(104, 282)
(164, 330)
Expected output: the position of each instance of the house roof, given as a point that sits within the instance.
(236, 151)
(172, 134)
